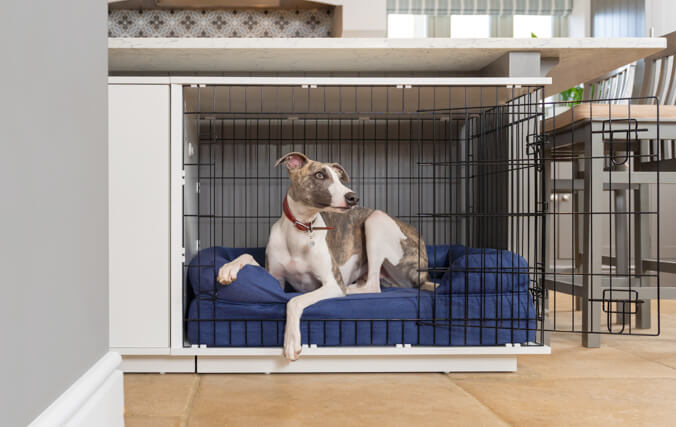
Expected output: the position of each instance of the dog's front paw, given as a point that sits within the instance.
(228, 273)
(292, 346)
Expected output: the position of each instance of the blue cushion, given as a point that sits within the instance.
(396, 316)
(472, 270)
(484, 291)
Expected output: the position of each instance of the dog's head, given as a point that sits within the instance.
(318, 185)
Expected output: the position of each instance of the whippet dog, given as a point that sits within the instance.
(326, 246)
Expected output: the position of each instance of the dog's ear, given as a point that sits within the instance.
(342, 173)
(293, 160)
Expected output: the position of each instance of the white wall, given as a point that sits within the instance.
(579, 20)
(362, 18)
(53, 187)
(660, 15)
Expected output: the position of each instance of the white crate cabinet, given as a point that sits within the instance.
(146, 254)
(138, 134)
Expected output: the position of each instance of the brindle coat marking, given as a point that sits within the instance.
(349, 239)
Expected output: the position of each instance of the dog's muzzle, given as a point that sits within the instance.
(351, 198)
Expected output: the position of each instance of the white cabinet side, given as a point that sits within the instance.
(138, 141)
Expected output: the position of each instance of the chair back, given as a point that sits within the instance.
(658, 86)
(612, 87)
(660, 69)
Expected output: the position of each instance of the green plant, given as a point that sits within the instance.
(574, 94)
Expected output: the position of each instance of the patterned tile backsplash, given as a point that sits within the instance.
(221, 23)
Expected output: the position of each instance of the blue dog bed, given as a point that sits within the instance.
(484, 292)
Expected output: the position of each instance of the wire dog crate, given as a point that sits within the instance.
(603, 159)
(476, 169)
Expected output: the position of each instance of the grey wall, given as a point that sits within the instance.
(618, 18)
(53, 215)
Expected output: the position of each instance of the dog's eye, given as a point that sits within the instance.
(320, 175)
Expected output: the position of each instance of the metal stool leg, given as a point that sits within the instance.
(551, 229)
(578, 232)
(641, 249)
(593, 223)
(621, 251)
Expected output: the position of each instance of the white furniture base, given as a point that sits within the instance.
(345, 364)
(335, 359)
(95, 399)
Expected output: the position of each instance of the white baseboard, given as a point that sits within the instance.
(95, 399)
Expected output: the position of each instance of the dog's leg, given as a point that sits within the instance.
(279, 275)
(276, 271)
(383, 242)
(294, 311)
(228, 272)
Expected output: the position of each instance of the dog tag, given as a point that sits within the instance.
(312, 243)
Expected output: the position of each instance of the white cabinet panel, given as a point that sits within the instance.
(138, 156)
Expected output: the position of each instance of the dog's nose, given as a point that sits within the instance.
(351, 198)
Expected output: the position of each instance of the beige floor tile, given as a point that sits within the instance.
(142, 421)
(157, 395)
(630, 380)
(570, 360)
(560, 301)
(335, 400)
(660, 349)
(577, 402)
(565, 320)
(668, 306)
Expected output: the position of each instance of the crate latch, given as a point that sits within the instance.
(627, 302)
(622, 126)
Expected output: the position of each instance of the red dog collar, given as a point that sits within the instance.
(302, 226)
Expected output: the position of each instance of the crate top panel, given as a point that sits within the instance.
(568, 61)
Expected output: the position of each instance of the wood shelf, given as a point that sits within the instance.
(571, 60)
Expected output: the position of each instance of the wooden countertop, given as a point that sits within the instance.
(579, 59)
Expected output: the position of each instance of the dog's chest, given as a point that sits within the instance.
(303, 258)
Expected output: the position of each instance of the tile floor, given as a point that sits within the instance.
(629, 381)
